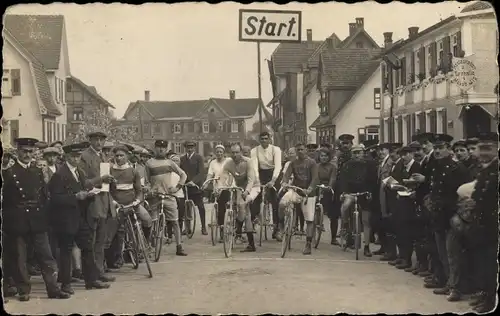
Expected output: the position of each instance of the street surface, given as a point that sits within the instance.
(205, 282)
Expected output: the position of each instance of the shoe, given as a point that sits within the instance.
(10, 291)
(335, 242)
(424, 274)
(486, 306)
(366, 252)
(180, 251)
(433, 285)
(307, 249)
(66, 288)
(395, 262)
(403, 265)
(97, 285)
(379, 252)
(410, 269)
(454, 296)
(249, 248)
(24, 297)
(77, 274)
(279, 238)
(60, 295)
(477, 299)
(204, 231)
(429, 279)
(419, 269)
(442, 291)
(105, 278)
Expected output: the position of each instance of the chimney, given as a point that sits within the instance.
(412, 31)
(387, 39)
(352, 28)
(146, 95)
(232, 94)
(360, 23)
(309, 33)
(329, 43)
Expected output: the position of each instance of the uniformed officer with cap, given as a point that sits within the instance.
(25, 218)
(418, 152)
(371, 146)
(483, 239)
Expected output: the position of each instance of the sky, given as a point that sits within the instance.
(191, 51)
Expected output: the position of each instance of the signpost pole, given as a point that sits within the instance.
(259, 87)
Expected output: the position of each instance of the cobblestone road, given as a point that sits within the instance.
(206, 282)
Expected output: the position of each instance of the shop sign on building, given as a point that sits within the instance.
(464, 72)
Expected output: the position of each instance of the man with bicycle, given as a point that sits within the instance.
(158, 169)
(305, 176)
(266, 159)
(357, 176)
(241, 169)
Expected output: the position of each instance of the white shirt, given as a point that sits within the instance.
(52, 168)
(214, 170)
(73, 171)
(394, 165)
(408, 166)
(25, 166)
(428, 156)
(173, 179)
(267, 158)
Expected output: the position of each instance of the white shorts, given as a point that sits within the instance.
(292, 197)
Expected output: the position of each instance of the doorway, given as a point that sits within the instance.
(476, 120)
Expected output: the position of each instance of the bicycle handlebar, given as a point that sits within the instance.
(230, 189)
(263, 186)
(324, 187)
(123, 207)
(357, 194)
(295, 188)
(209, 180)
(162, 196)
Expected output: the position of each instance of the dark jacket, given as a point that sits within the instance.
(194, 168)
(65, 210)
(24, 200)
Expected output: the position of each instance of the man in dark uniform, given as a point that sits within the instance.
(484, 234)
(25, 220)
(445, 176)
(194, 166)
(371, 156)
(69, 218)
(380, 217)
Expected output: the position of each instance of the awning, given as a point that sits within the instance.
(491, 109)
(489, 103)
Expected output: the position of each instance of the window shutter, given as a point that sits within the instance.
(422, 62)
(172, 128)
(423, 123)
(459, 43)
(412, 123)
(403, 71)
(398, 74)
(15, 75)
(240, 126)
(444, 122)
(384, 77)
(446, 66)
(433, 58)
(412, 66)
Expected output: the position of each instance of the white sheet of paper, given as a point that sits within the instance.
(143, 181)
(389, 180)
(404, 193)
(94, 191)
(105, 168)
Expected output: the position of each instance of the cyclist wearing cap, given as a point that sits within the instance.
(357, 176)
(158, 169)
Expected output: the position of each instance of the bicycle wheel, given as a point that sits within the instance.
(357, 237)
(213, 225)
(142, 247)
(318, 224)
(287, 236)
(131, 244)
(158, 235)
(228, 233)
(190, 219)
(267, 219)
(262, 225)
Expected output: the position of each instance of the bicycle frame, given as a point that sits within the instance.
(319, 214)
(230, 220)
(357, 230)
(290, 221)
(265, 213)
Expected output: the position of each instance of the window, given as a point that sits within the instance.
(178, 148)
(234, 126)
(157, 129)
(455, 45)
(63, 132)
(56, 82)
(220, 126)
(77, 114)
(368, 133)
(417, 63)
(68, 87)
(376, 98)
(359, 45)
(205, 127)
(177, 128)
(440, 53)
(146, 129)
(429, 61)
(61, 91)
(15, 77)
(6, 82)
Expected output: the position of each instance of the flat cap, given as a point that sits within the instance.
(189, 143)
(312, 146)
(488, 137)
(26, 142)
(424, 137)
(357, 147)
(161, 143)
(346, 138)
(75, 148)
(471, 141)
(459, 143)
(415, 145)
(441, 139)
(58, 142)
(108, 145)
(41, 145)
(369, 143)
(395, 146)
(51, 151)
(406, 149)
(97, 134)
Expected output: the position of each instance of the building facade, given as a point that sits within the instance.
(81, 101)
(36, 66)
(207, 122)
(421, 90)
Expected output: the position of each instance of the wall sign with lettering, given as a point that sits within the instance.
(464, 72)
(270, 26)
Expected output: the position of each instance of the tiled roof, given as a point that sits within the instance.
(347, 68)
(313, 60)
(187, 109)
(91, 90)
(41, 81)
(289, 57)
(476, 6)
(347, 41)
(41, 35)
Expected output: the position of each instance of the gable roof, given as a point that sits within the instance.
(313, 60)
(476, 6)
(40, 80)
(188, 109)
(348, 40)
(92, 91)
(41, 35)
(289, 57)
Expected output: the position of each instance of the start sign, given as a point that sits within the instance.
(464, 73)
(270, 26)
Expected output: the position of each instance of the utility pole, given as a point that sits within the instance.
(260, 88)
(141, 129)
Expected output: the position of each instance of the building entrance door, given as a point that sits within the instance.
(476, 120)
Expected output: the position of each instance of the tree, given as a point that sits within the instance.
(100, 121)
(252, 138)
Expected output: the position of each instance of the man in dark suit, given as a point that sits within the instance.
(194, 166)
(69, 202)
(100, 209)
(25, 219)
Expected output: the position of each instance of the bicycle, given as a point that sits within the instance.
(318, 227)
(214, 226)
(135, 242)
(357, 224)
(230, 219)
(159, 231)
(265, 215)
(189, 214)
(290, 221)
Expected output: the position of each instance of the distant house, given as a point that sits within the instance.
(35, 69)
(82, 99)
(208, 122)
